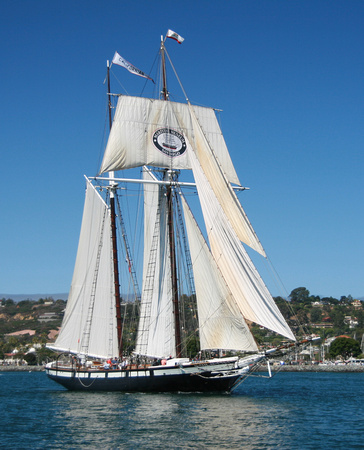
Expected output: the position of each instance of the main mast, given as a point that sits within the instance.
(113, 186)
(170, 224)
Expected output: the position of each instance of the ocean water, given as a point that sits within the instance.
(289, 411)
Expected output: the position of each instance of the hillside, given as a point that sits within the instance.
(28, 322)
(40, 316)
(34, 297)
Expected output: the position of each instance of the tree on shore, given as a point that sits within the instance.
(344, 347)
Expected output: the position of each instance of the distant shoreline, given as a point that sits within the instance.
(316, 368)
(21, 368)
(34, 297)
(302, 368)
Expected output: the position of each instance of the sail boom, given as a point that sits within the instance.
(76, 352)
(160, 182)
(142, 181)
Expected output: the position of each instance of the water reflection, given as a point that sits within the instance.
(291, 411)
(168, 420)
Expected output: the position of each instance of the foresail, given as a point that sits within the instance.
(244, 281)
(89, 324)
(155, 133)
(214, 172)
(156, 337)
(221, 324)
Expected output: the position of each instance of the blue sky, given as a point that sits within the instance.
(288, 75)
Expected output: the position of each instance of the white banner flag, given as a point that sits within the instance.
(120, 61)
(171, 34)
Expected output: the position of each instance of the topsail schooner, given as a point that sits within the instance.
(165, 138)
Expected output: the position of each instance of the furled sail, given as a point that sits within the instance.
(156, 336)
(239, 272)
(89, 323)
(153, 132)
(221, 324)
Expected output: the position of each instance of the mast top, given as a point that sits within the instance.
(165, 94)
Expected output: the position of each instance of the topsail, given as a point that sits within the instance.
(155, 133)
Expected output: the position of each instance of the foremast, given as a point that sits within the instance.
(170, 224)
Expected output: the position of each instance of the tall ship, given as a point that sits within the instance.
(187, 327)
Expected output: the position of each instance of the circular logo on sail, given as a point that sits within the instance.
(170, 142)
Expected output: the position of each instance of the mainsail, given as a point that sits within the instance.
(89, 323)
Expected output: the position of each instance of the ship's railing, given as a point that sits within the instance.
(94, 365)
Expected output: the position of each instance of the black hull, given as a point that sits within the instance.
(122, 381)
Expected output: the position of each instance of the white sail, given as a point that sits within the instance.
(221, 324)
(156, 336)
(214, 172)
(240, 274)
(89, 323)
(155, 132)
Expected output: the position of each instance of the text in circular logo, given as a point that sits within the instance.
(170, 142)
